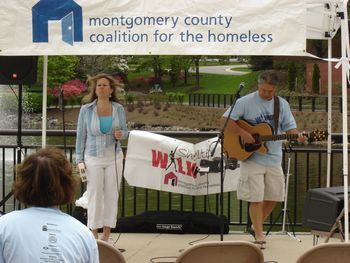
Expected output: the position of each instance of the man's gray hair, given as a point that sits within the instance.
(269, 77)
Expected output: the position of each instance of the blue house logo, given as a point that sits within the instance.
(66, 11)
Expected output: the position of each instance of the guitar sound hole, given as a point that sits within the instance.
(251, 147)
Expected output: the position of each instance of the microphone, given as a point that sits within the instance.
(241, 86)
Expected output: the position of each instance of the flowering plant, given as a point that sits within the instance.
(71, 88)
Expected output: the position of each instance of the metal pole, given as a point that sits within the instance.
(44, 108)
(345, 70)
(329, 122)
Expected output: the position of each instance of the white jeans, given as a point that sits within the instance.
(103, 189)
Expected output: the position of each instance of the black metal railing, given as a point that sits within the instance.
(308, 170)
(297, 103)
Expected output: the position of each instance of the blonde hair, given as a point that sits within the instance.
(115, 85)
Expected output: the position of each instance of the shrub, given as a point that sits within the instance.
(130, 107)
(129, 98)
(51, 100)
(32, 102)
(71, 88)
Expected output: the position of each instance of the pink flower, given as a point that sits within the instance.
(70, 89)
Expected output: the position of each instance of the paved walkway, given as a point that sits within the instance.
(161, 248)
(223, 70)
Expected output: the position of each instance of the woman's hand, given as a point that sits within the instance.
(117, 133)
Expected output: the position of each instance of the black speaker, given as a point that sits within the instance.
(322, 206)
(18, 69)
(80, 214)
(172, 222)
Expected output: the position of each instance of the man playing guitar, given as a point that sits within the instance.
(261, 181)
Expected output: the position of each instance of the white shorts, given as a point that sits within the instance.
(258, 183)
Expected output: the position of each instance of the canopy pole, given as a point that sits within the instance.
(345, 70)
(329, 121)
(44, 108)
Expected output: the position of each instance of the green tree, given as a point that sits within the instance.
(92, 65)
(292, 76)
(316, 78)
(175, 69)
(155, 63)
(60, 69)
(196, 63)
(186, 62)
(260, 62)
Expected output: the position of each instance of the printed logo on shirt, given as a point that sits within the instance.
(264, 118)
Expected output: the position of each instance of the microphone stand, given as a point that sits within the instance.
(62, 108)
(221, 140)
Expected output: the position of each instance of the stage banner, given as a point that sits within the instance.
(162, 163)
(146, 27)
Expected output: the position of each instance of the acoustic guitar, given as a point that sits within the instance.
(236, 148)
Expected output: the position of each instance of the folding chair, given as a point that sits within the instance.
(108, 253)
(223, 252)
(326, 253)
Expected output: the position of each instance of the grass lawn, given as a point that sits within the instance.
(209, 83)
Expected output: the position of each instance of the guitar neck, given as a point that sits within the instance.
(278, 137)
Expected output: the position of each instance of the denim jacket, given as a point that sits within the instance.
(90, 140)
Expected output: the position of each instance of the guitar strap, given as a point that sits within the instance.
(276, 112)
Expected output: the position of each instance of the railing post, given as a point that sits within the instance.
(313, 103)
(300, 103)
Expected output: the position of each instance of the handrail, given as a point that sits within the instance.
(336, 137)
(307, 172)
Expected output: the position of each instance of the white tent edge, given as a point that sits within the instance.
(345, 72)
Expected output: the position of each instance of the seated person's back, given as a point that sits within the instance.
(42, 233)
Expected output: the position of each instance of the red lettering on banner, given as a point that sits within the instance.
(191, 169)
(158, 159)
(179, 164)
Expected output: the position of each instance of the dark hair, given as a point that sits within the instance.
(45, 179)
(116, 86)
(269, 77)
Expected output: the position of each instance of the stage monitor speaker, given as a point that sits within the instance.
(172, 222)
(15, 70)
(322, 206)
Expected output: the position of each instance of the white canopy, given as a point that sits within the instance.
(199, 27)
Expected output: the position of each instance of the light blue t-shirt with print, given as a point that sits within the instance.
(254, 109)
(41, 235)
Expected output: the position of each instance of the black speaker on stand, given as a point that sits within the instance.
(322, 207)
(18, 70)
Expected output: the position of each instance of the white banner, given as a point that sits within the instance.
(135, 27)
(162, 163)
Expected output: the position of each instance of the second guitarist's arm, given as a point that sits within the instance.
(235, 128)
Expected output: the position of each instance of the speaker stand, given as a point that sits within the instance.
(336, 231)
(285, 212)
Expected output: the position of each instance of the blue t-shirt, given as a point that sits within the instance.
(254, 109)
(41, 235)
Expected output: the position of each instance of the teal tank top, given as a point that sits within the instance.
(105, 123)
